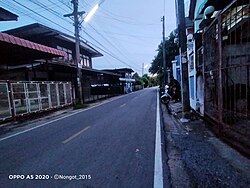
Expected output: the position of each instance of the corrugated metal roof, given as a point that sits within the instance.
(31, 45)
(40, 30)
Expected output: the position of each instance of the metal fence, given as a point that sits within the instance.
(227, 68)
(19, 98)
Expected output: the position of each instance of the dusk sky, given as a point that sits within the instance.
(129, 31)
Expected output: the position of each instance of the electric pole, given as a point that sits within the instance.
(184, 64)
(164, 51)
(142, 70)
(75, 14)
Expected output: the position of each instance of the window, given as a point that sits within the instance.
(69, 57)
(86, 60)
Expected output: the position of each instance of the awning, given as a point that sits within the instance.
(31, 45)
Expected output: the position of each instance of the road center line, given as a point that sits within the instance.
(58, 119)
(158, 174)
(75, 135)
(123, 105)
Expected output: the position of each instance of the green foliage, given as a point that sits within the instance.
(145, 79)
(172, 50)
(154, 81)
(138, 79)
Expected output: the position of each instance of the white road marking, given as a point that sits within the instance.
(75, 135)
(33, 128)
(158, 172)
(123, 105)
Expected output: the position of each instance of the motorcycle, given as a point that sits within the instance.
(166, 97)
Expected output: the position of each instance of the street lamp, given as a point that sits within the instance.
(91, 13)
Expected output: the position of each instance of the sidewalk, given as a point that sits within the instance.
(197, 158)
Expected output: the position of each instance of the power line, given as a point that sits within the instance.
(60, 6)
(114, 46)
(115, 17)
(104, 50)
(65, 4)
(57, 14)
(107, 51)
(130, 35)
(130, 23)
(45, 7)
(117, 42)
(42, 16)
(17, 9)
(11, 6)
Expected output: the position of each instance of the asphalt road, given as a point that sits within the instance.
(111, 145)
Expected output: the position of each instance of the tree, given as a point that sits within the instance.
(172, 50)
(138, 79)
(145, 79)
(153, 81)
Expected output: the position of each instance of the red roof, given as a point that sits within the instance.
(31, 45)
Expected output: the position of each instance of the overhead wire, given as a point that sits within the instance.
(42, 16)
(115, 17)
(65, 4)
(109, 42)
(106, 50)
(61, 7)
(51, 21)
(120, 46)
(130, 35)
(52, 11)
(57, 14)
(16, 9)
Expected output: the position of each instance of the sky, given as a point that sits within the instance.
(126, 32)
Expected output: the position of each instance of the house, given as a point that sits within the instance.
(18, 97)
(176, 68)
(221, 50)
(126, 80)
(58, 68)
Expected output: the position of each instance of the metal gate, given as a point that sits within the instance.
(19, 98)
(226, 68)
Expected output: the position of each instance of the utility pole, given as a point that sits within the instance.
(142, 70)
(75, 14)
(164, 50)
(184, 64)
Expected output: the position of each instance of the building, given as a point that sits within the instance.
(126, 80)
(57, 68)
(18, 98)
(221, 52)
(176, 68)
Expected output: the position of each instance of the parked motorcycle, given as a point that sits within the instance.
(171, 92)
(165, 95)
